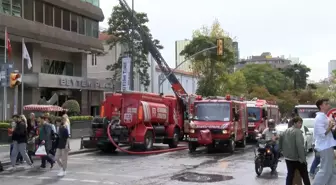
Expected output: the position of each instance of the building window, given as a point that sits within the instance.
(95, 29)
(81, 25)
(93, 59)
(5, 7)
(66, 20)
(16, 8)
(88, 27)
(28, 9)
(74, 24)
(57, 67)
(39, 11)
(48, 15)
(58, 17)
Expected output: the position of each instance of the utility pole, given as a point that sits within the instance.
(132, 50)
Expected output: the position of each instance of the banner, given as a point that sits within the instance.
(125, 73)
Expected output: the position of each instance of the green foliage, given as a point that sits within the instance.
(72, 106)
(80, 118)
(211, 68)
(265, 75)
(4, 125)
(300, 77)
(120, 30)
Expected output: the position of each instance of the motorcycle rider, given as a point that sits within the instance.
(270, 134)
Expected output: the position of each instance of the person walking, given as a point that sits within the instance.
(62, 146)
(20, 142)
(45, 138)
(32, 130)
(13, 125)
(324, 144)
(291, 142)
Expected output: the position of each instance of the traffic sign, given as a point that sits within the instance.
(5, 71)
(331, 112)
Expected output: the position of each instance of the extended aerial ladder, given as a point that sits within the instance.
(164, 67)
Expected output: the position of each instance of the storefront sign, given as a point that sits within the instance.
(84, 84)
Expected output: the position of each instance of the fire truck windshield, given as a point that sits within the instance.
(253, 114)
(212, 111)
(307, 112)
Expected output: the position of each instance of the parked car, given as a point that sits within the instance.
(308, 132)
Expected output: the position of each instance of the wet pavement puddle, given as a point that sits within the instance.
(200, 178)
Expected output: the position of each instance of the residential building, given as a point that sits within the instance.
(59, 35)
(264, 58)
(331, 67)
(295, 60)
(179, 47)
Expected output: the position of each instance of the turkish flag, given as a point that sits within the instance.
(9, 46)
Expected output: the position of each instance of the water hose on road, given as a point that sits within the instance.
(141, 153)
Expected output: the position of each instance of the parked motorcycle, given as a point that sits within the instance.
(264, 157)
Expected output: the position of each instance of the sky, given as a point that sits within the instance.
(300, 28)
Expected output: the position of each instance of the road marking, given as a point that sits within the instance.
(44, 178)
(67, 179)
(25, 177)
(90, 181)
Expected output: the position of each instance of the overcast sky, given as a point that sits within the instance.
(300, 28)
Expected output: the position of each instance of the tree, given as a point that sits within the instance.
(120, 29)
(266, 76)
(300, 77)
(208, 65)
(234, 84)
(286, 101)
(260, 92)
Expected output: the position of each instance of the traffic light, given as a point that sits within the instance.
(220, 45)
(14, 79)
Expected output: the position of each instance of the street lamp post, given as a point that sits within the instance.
(132, 50)
(295, 78)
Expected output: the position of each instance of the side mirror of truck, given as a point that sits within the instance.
(236, 117)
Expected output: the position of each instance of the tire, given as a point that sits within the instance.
(148, 140)
(232, 146)
(192, 147)
(108, 148)
(176, 137)
(258, 167)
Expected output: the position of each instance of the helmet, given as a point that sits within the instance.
(271, 123)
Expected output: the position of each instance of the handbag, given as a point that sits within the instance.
(41, 151)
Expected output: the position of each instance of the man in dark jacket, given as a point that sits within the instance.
(19, 138)
(45, 137)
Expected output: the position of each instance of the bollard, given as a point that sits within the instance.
(81, 144)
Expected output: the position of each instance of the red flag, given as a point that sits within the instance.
(9, 46)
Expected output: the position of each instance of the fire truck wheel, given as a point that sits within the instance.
(175, 140)
(192, 147)
(148, 141)
(231, 145)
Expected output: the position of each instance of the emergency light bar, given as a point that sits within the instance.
(227, 97)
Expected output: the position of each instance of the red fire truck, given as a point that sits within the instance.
(258, 112)
(143, 118)
(218, 121)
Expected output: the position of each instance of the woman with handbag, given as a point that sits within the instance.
(62, 146)
(32, 130)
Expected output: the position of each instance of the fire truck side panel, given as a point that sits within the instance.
(138, 133)
(173, 118)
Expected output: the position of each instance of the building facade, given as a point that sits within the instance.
(264, 58)
(179, 46)
(59, 34)
(331, 67)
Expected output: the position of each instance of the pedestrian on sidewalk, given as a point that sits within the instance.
(291, 142)
(19, 138)
(324, 144)
(62, 146)
(45, 138)
(13, 125)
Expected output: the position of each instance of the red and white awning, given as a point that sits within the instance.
(43, 108)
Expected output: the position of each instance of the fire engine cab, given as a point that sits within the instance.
(218, 121)
(258, 112)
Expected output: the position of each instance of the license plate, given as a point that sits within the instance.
(192, 139)
(262, 145)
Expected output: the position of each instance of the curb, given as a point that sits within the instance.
(76, 152)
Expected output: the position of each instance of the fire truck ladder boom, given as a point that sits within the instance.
(164, 67)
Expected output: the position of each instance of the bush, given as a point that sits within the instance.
(5, 125)
(72, 106)
(80, 118)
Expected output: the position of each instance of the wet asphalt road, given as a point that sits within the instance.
(163, 169)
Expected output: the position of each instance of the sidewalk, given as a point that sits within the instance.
(75, 145)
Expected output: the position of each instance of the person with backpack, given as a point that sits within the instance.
(45, 138)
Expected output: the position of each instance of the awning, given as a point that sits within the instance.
(43, 108)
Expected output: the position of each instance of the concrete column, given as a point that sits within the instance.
(84, 102)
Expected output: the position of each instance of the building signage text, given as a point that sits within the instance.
(77, 83)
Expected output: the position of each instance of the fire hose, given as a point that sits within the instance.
(141, 153)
